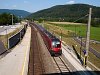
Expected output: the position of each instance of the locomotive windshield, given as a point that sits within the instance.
(56, 43)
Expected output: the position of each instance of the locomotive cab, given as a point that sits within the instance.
(56, 46)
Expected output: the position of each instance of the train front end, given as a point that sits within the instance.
(56, 47)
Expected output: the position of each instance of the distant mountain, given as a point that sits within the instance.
(20, 13)
(69, 12)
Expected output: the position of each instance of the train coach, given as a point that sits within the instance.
(52, 42)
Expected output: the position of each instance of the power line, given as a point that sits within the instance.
(81, 18)
(77, 20)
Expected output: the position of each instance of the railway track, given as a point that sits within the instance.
(61, 66)
(35, 63)
(97, 54)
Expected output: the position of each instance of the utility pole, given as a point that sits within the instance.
(12, 18)
(88, 37)
(18, 19)
(61, 35)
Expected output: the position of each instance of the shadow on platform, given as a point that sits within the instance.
(78, 56)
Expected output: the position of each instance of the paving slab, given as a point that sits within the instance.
(16, 62)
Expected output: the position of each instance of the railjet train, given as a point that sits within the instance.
(52, 42)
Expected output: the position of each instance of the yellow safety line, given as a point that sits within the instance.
(22, 70)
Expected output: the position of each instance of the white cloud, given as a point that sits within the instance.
(71, 2)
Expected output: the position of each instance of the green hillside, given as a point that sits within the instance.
(20, 13)
(69, 12)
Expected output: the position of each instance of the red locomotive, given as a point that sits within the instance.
(53, 43)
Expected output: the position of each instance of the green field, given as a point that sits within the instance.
(65, 28)
(80, 30)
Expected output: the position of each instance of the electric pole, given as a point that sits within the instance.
(61, 34)
(12, 18)
(88, 37)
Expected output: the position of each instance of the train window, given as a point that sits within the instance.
(56, 44)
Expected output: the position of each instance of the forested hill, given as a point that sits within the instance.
(68, 12)
(20, 13)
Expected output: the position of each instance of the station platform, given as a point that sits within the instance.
(16, 61)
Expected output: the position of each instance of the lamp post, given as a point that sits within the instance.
(21, 18)
(12, 18)
(18, 19)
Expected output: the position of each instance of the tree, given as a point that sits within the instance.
(40, 20)
(6, 18)
(96, 22)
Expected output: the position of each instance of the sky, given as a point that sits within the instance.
(36, 5)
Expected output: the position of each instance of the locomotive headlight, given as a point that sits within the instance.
(53, 43)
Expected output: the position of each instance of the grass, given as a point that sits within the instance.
(80, 30)
(67, 31)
